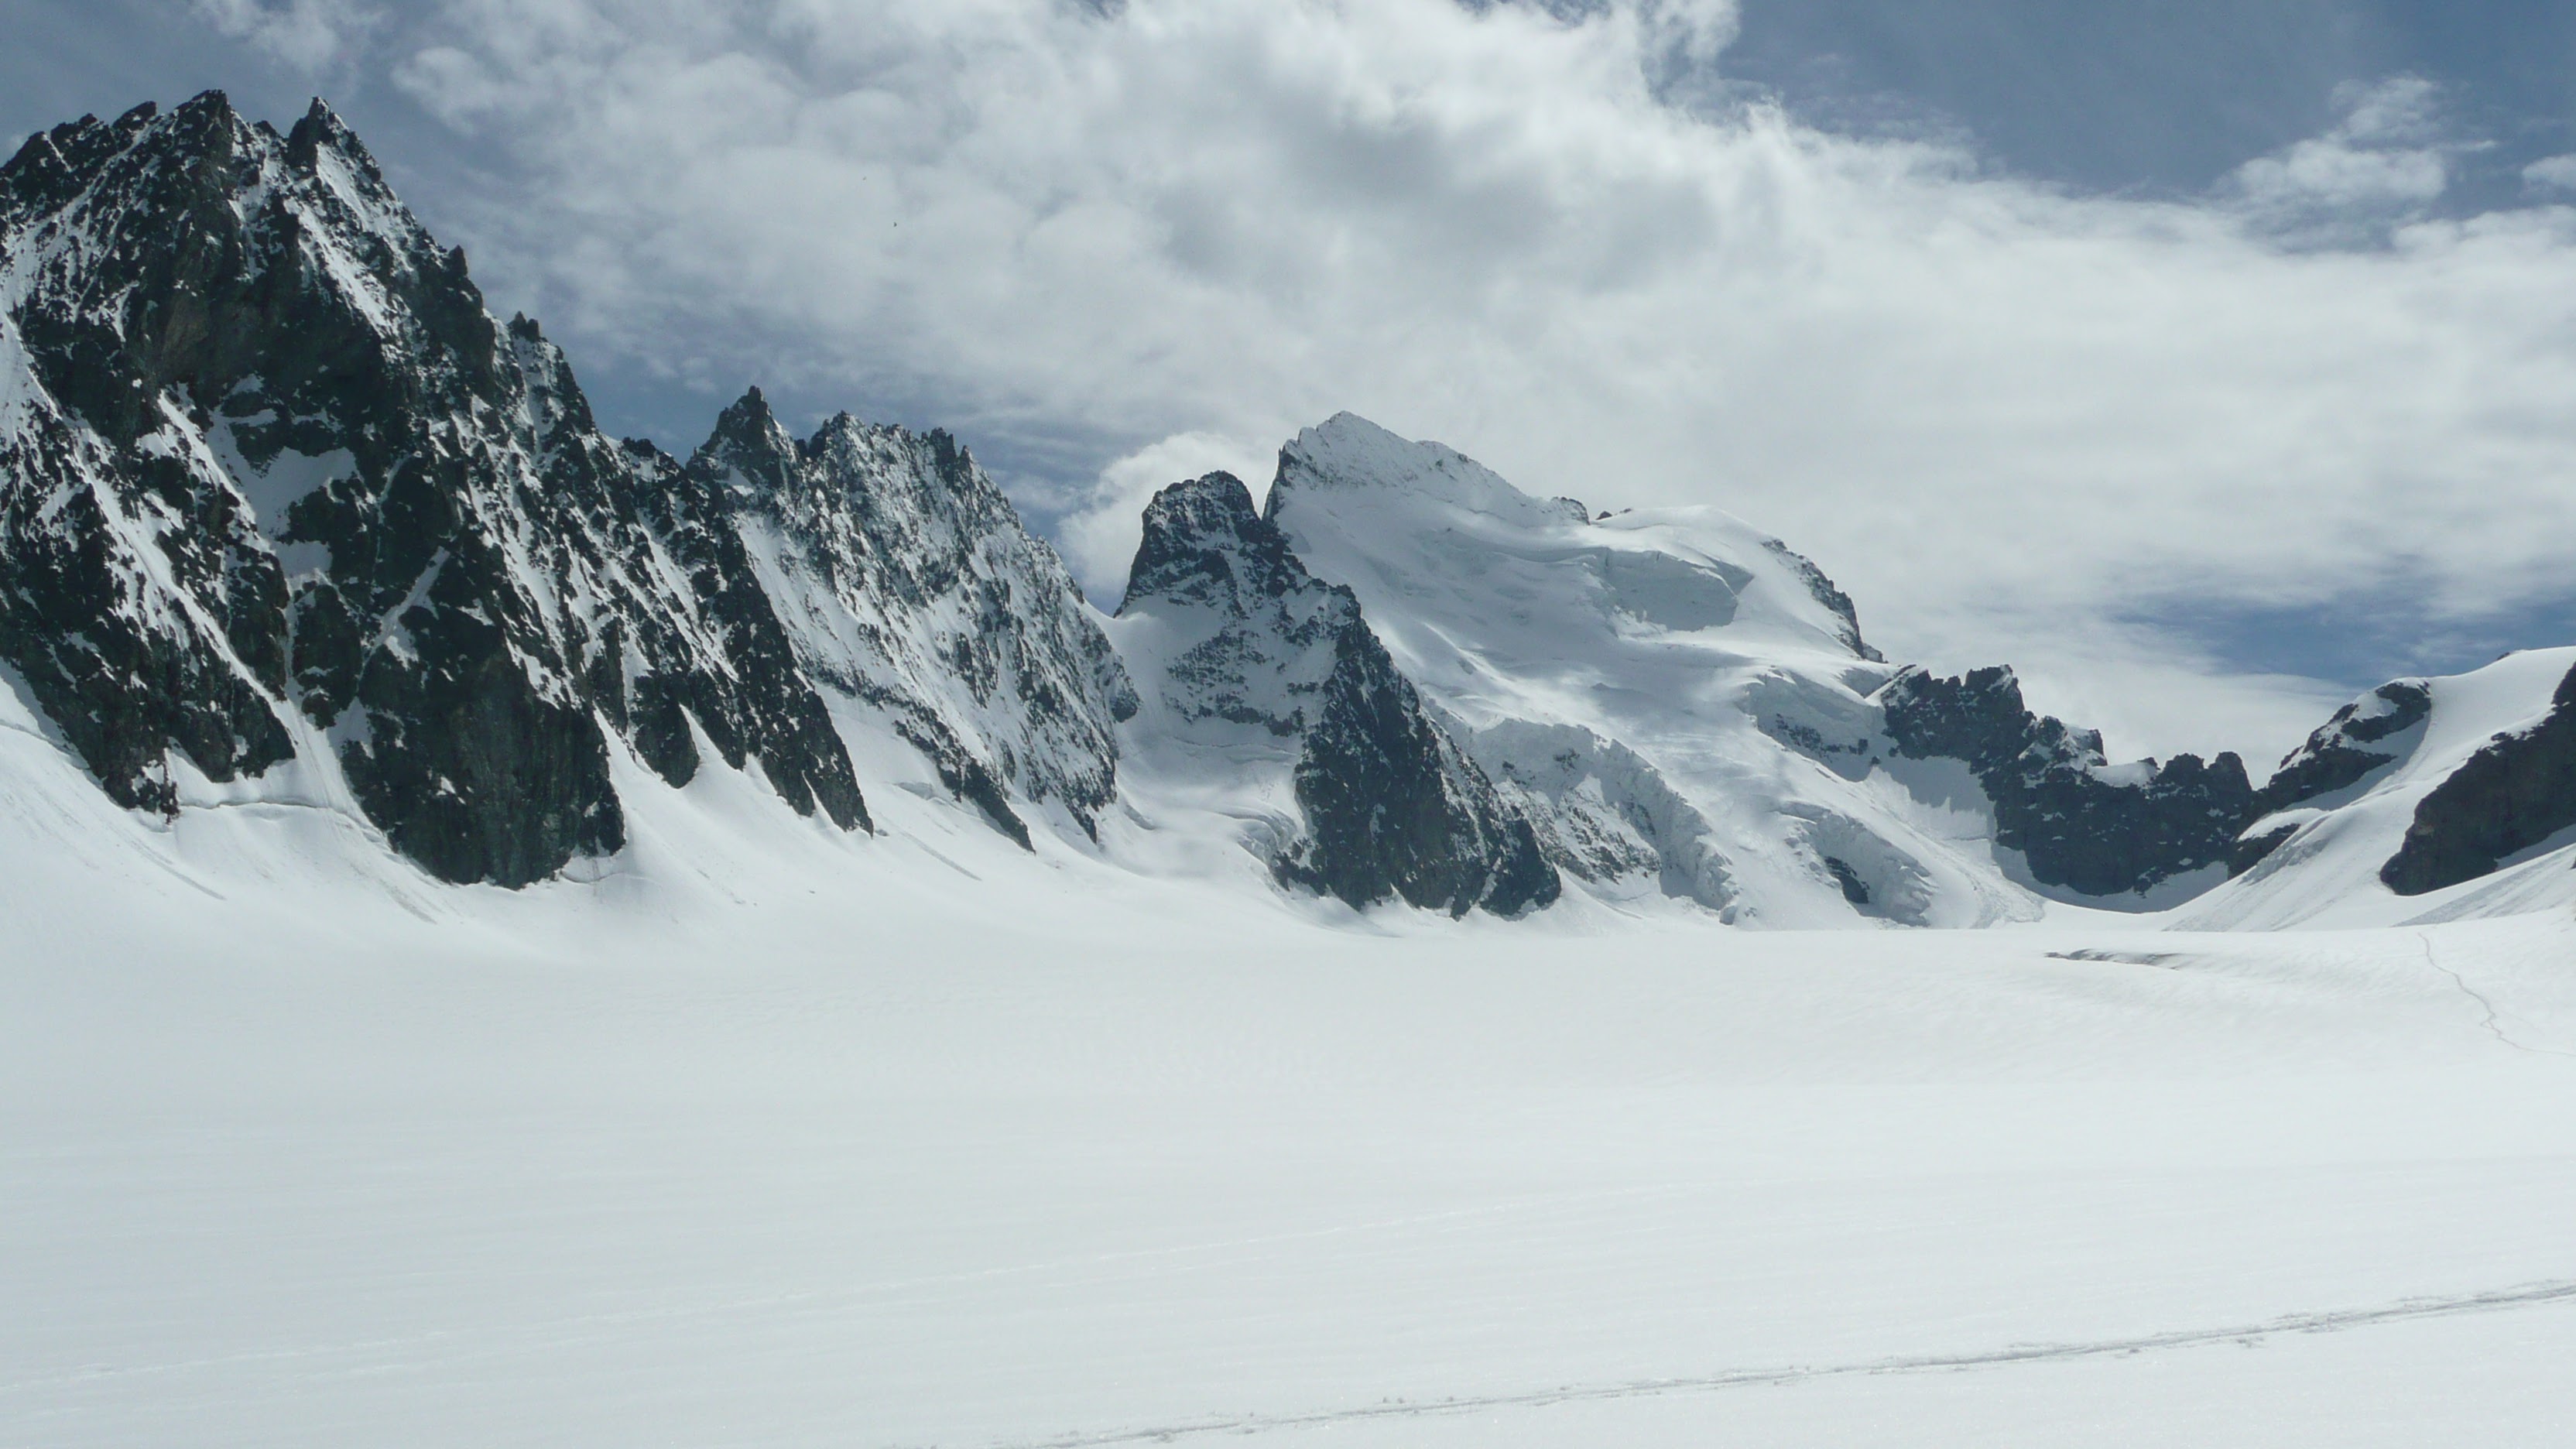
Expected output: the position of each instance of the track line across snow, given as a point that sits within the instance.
(2494, 1022)
(2526, 1295)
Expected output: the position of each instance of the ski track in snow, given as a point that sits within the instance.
(567, 1328)
(2528, 1295)
(2493, 1023)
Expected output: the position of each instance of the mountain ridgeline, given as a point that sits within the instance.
(287, 514)
(279, 487)
(1393, 807)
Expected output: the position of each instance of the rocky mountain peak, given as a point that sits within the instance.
(749, 442)
(321, 129)
(1243, 635)
(909, 584)
(1267, 632)
(1205, 543)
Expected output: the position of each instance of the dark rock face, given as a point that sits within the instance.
(1274, 630)
(272, 481)
(2363, 737)
(2349, 746)
(2056, 800)
(2510, 796)
(1204, 543)
(1394, 808)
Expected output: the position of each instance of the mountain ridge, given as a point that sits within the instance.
(285, 511)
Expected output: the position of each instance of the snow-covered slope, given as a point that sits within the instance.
(1268, 691)
(2426, 799)
(1679, 701)
(775, 1135)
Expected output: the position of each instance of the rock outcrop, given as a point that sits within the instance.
(2360, 740)
(2079, 822)
(1393, 808)
(2363, 736)
(2510, 796)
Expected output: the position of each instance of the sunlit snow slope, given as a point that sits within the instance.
(2328, 854)
(778, 1135)
(1687, 710)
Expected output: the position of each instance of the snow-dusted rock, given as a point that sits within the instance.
(1677, 700)
(278, 486)
(2425, 799)
(1603, 814)
(1246, 653)
(274, 486)
(908, 583)
(2517, 793)
(2363, 738)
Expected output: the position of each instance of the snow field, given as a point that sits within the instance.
(772, 1136)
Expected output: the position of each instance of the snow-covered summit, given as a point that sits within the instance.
(1269, 698)
(1483, 568)
(1680, 701)
(2425, 799)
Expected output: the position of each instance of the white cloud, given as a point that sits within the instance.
(2551, 173)
(2004, 416)
(1697, 29)
(2385, 161)
(312, 36)
(1099, 538)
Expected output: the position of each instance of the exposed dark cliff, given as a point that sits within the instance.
(2515, 793)
(1393, 807)
(2079, 822)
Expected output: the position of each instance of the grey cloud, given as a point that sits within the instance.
(2011, 419)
